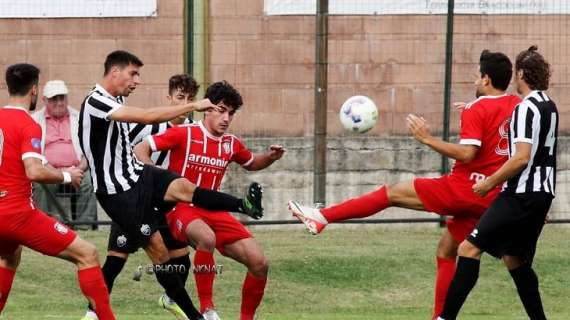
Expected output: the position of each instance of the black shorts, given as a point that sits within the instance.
(134, 210)
(119, 242)
(512, 225)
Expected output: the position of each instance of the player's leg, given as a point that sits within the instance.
(91, 281)
(446, 255)
(402, 194)
(203, 238)
(520, 256)
(170, 281)
(179, 263)
(182, 190)
(9, 263)
(492, 235)
(248, 252)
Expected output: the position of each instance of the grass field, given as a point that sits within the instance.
(362, 273)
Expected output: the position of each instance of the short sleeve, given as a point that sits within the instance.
(102, 107)
(471, 131)
(31, 142)
(522, 125)
(169, 139)
(242, 155)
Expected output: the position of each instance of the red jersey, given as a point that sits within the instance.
(198, 155)
(20, 138)
(485, 123)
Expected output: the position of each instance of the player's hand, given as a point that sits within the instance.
(276, 152)
(418, 128)
(460, 106)
(482, 187)
(204, 105)
(76, 176)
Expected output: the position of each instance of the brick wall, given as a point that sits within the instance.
(74, 50)
(396, 60)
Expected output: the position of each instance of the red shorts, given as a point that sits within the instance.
(35, 230)
(226, 227)
(453, 196)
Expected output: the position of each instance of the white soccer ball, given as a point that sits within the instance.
(358, 114)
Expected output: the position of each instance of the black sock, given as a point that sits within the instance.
(216, 201)
(111, 269)
(183, 266)
(464, 280)
(174, 288)
(527, 287)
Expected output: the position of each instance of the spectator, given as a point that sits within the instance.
(60, 145)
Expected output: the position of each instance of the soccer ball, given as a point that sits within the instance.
(358, 114)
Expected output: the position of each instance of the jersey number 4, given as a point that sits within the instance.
(551, 136)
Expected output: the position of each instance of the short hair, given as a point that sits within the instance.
(498, 67)
(224, 92)
(536, 70)
(122, 59)
(184, 82)
(21, 77)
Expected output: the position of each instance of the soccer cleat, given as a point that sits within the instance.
(211, 314)
(90, 315)
(311, 217)
(166, 303)
(252, 201)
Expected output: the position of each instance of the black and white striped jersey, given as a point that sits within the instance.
(106, 144)
(535, 121)
(139, 131)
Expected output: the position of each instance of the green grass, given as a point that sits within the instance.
(361, 273)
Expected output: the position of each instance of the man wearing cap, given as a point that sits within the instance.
(60, 145)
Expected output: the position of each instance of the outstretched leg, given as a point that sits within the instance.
(402, 194)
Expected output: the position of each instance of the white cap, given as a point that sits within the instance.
(54, 88)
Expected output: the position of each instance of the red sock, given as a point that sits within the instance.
(204, 275)
(360, 207)
(6, 279)
(251, 295)
(445, 273)
(93, 286)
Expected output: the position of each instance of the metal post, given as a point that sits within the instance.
(447, 86)
(189, 36)
(320, 131)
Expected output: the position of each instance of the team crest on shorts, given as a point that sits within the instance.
(178, 224)
(60, 228)
(226, 146)
(145, 229)
(121, 240)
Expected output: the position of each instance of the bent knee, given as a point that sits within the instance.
(259, 267)
(87, 254)
(468, 249)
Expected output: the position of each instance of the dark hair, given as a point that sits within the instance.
(536, 70)
(498, 67)
(21, 77)
(184, 82)
(122, 59)
(224, 92)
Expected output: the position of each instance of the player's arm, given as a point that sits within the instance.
(143, 152)
(420, 130)
(509, 169)
(156, 114)
(263, 160)
(36, 171)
